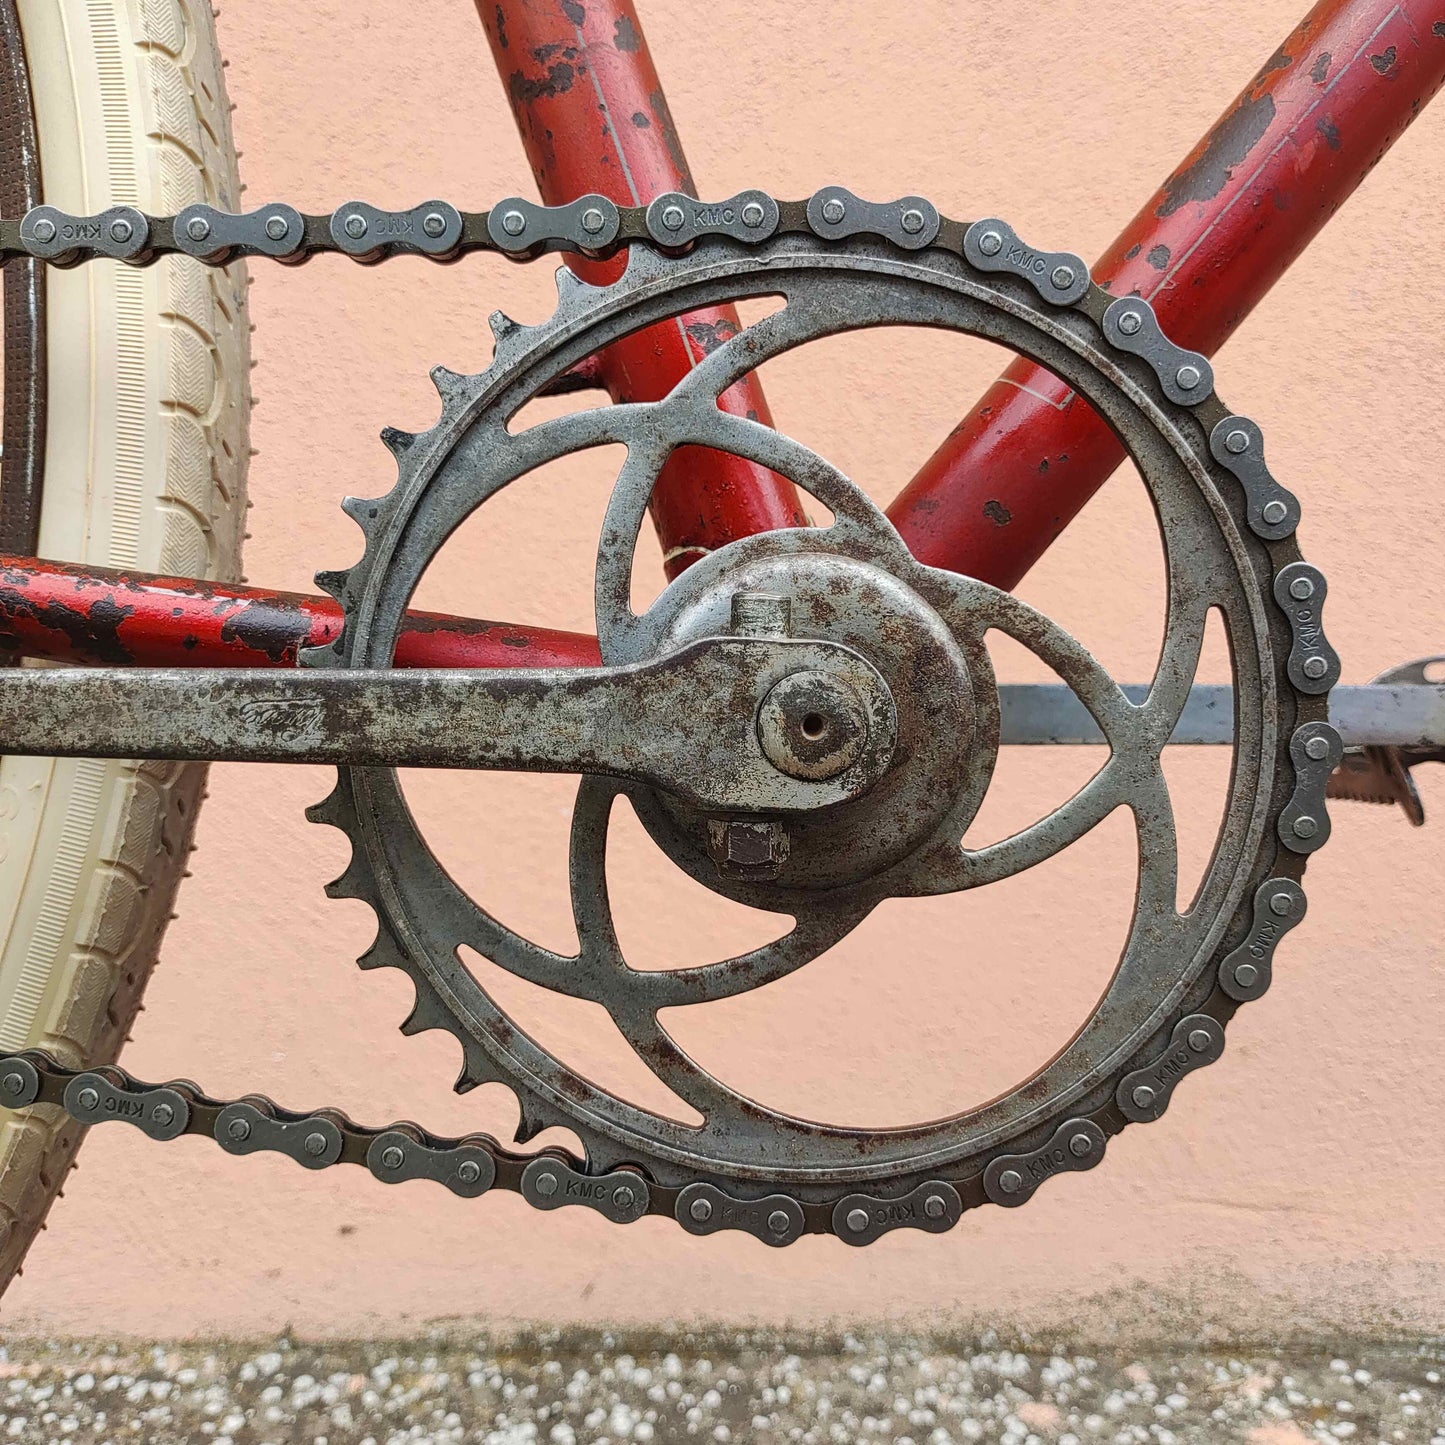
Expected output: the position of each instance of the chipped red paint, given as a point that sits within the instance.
(118, 619)
(593, 117)
(1217, 235)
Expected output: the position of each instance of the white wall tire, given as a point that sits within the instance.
(145, 467)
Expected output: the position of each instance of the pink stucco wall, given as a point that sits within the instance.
(1300, 1181)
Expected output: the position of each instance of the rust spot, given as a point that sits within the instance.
(641, 121)
(1228, 144)
(558, 81)
(1133, 250)
(1321, 67)
(625, 36)
(574, 11)
(502, 40)
(275, 631)
(93, 634)
(709, 335)
(997, 512)
(1280, 60)
(1044, 465)
(1158, 256)
(1330, 131)
(1438, 28)
(1384, 60)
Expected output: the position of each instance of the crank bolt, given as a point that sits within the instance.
(701, 1210)
(239, 1129)
(198, 228)
(44, 230)
(1199, 1041)
(748, 850)
(1246, 975)
(1281, 904)
(778, 1221)
(834, 210)
(912, 222)
(1301, 589)
(392, 1158)
(1237, 441)
(593, 220)
(1143, 1096)
(276, 228)
(468, 1171)
(857, 1220)
(935, 1206)
(1080, 1145)
(546, 1185)
(812, 725)
(752, 215)
(315, 1145)
(672, 218)
(433, 223)
(1315, 667)
(990, 243)
(356, 227)
(1010, 1181)
(1275, 512)
(163, 1114)
(1188, 377)
(88, 1099)
(1130, 322)
(514, 223)
(121, 230)
(1063, 277)
(1316, 748)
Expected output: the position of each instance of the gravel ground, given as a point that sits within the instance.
(565, 1389)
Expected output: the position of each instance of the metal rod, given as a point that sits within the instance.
(1394, 715)
(99, 618)
(1206, 247)
(562, 64)
(660, 722)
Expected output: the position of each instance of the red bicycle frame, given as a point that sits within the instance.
(1208, 245)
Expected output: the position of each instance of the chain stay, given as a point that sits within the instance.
(596, 227)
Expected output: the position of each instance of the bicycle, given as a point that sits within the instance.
(799, 789)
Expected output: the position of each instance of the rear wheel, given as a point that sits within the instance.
(146, 394)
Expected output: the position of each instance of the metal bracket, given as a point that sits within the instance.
(861, 1218)
(1304, 823)
(465, 1169)
(1185, 376)
(674, 219)
(551, 1183)
(523, 229)
(1245, 973)
(703, 1208)
(911, 222)
(1013, 1179)
(160, 1112)
(433, 228)
(1060, 277)
(313, 1142)
(1144, 1094)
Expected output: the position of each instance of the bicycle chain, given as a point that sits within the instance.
(595, 226)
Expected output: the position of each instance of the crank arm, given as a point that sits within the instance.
(708, 724)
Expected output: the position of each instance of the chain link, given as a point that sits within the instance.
(595, 226)
(516, 227)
